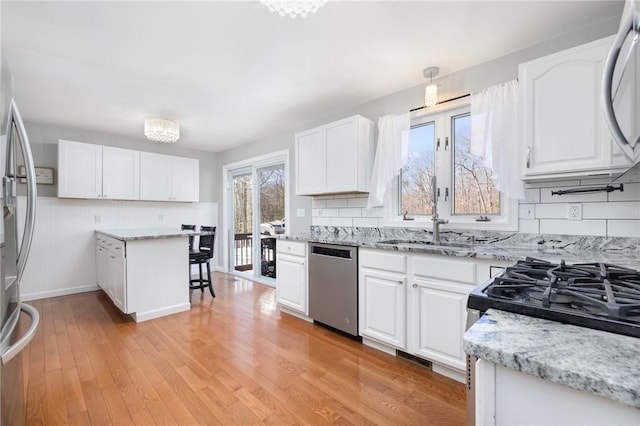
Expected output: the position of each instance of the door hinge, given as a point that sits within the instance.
(438, 144)
(446, 143)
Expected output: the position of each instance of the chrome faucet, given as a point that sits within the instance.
(434, 218)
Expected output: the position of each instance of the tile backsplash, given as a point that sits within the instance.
(614, 214)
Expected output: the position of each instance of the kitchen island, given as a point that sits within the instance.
(536, 371)
(144, 271)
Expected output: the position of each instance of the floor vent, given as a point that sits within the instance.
(414, 359)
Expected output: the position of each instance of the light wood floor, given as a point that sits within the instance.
(230, 360)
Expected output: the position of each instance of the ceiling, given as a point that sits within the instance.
(231, 72)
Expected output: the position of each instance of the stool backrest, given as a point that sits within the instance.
(189, 228)
(207, 242)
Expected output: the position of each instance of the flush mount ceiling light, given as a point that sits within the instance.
(431, 91)
(293, 8)
(160, 130)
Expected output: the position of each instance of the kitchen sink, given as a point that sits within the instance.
(418, 243)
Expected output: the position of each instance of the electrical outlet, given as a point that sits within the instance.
(97, 219)
(160, 218)
(574, 211)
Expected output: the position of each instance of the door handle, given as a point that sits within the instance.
(528, 157)
(30, 220)
(23, 341)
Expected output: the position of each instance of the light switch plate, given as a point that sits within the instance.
(301, 212)
(527, 211)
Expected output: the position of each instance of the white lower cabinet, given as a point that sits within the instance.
(291, 282)
(381, 297)
(111, 269)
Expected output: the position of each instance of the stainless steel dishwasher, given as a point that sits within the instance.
(333, 286)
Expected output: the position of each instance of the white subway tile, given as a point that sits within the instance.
(355, 212)
(529, 226)
(374, 212)
(337, 203)
(321, 221)
(550, 184)
(573, 227)
(611, 210)
(623, 228)
(341, 221)
(316, 212)
(551, 211)
(546, 197)
(318, 204)
(329, 212)
(368, 222)
(357, 202)
(631, 193)
(532, 195)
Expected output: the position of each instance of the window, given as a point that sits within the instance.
(439, 153)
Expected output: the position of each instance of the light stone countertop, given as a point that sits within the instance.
(146, 233)
(604, 364)
(512, 247)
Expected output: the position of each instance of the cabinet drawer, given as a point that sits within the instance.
(111, 244)
(441, 268)
(295, 248)
(379, 259)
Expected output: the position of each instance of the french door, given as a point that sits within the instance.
(255, 214)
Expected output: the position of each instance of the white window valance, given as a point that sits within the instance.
(392, 152)
(494, 136)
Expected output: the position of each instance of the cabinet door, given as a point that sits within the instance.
(185, 178)
(291, 285)
(79, 170)
(311, 173)
(155, 177)
(438, 318)
(101, 267)
(382, 307)
(120, 283)
(564, 130)
(120, 173)
(341, 140)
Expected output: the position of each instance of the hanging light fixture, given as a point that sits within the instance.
(293, 8)
(160, 130)
(431, 91)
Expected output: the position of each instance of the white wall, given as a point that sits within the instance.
(616, 214)
(62, 259)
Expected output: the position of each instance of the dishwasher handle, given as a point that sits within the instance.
(332, 252)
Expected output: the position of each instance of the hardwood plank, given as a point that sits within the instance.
(230, 360)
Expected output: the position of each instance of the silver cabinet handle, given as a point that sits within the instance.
(23, 341)
(528, 157)
(400, 283)
(415, 285)
(30, 219)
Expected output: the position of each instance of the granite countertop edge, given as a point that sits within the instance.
(601, 363)
(491, 251)
(145, 234)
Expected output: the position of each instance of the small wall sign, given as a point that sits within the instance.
(44, 175)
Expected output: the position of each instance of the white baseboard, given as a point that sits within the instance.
(458, 376)
(157, 313)
(56, 293)
(379, 346)
(295, 314)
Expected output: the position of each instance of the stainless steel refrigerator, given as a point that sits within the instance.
(18, 321)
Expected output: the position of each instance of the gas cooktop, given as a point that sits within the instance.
(594, 295)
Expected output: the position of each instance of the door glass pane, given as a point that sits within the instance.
(474, 192)
(416, 178)
(271, 181)
(242, 223)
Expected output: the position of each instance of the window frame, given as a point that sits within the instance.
(444, 170)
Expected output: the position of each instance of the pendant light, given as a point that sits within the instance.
(161, 130)
(431, 91)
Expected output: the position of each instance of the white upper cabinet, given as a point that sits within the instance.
(564, 132)
(120, 174)
(96, 171)
(335, 158)
(168, 178)
(79, 170)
